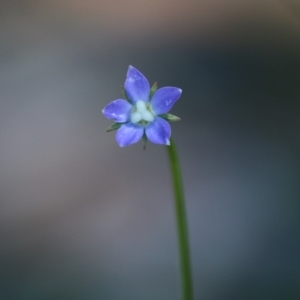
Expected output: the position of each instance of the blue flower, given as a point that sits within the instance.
(144, 113)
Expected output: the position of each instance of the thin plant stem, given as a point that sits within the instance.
(182, 230)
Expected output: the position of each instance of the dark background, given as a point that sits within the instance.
(81, 218)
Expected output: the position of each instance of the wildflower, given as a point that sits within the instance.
(144, 113)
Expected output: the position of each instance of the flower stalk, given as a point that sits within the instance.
(182, 229)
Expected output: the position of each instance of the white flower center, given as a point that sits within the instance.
(142, 113)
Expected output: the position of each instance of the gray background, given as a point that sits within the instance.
(81, 218)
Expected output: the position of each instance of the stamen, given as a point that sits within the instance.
(141, 106)
(142, 113)
(136, 117)
(147, 116)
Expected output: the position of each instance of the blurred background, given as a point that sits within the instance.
(81, 218)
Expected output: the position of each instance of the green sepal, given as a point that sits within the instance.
(153, 89)
(170, 118)
(144, 141)
(114, 126)
(124, 93)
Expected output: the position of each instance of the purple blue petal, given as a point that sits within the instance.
(164, 98)
(118, 110)
(136, 86)
(159, 131)
(129, 134)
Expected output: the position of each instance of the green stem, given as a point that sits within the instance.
(183, 241)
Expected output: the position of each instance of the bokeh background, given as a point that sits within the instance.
(81, 218)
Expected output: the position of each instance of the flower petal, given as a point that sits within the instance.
(136, 86)
(159, 131)
(129, 134)
(118, 110)
(164, 98)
